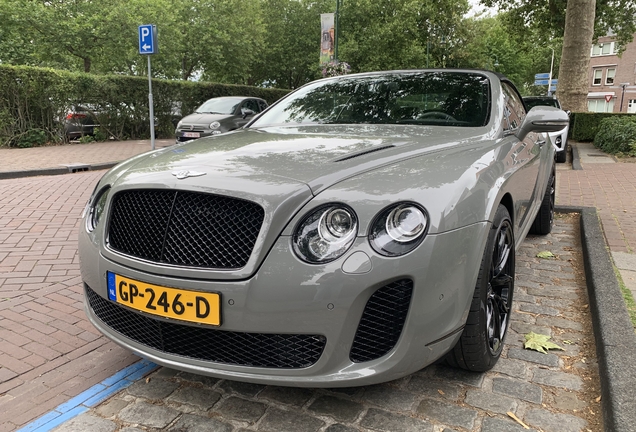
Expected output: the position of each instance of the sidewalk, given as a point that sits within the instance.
(17, 163)
(610, 186)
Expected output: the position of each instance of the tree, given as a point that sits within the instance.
(575, 57)
(588, 19)
(393, 34)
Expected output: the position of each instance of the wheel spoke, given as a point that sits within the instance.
(500, 287)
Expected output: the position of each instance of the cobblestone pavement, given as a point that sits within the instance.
(548, 392)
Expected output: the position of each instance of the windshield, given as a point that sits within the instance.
(426, 98)
(219, 106)
(531, 103)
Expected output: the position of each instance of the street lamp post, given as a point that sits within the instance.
(623, 85)
(335, 42)
(550, 76)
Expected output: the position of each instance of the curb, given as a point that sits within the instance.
(6, 175)
(576, 159)
(613, 330)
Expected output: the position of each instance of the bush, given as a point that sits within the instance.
(39, 99)
(31, 138)
(617, 135)
(584, 125)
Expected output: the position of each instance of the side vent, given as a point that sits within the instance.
(363, 152)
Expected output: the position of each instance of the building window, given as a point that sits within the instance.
(609, 76)
(600, 105)
(600, 49)
(598, 75)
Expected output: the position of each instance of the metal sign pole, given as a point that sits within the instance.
(147, 46)
(152, 109)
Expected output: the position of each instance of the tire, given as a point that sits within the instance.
(481, 342)
(562, 156)
(544, 220)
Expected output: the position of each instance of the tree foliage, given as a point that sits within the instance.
(275, 43)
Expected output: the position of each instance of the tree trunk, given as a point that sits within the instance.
(87, 64)
(574, 71)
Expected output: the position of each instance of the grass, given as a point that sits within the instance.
(629, 299)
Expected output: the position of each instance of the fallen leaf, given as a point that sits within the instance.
(598, 399)
(515, 418)
(539, 342)
(147, 380)
(568, 342)
(440, 392)
(545, 255)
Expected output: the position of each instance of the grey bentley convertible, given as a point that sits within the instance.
(359, 229)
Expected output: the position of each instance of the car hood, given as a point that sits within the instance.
(203, 119)
(281, 169)
(317, 156)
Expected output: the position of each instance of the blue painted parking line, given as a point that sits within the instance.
(91, 397)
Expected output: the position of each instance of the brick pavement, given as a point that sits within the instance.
(48, 350)
(16, 159)
(612, 190)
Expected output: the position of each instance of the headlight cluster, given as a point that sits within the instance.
(398, 229)
(96, 208)
(328, 232)
(325, 234)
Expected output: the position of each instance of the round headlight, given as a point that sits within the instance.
(215, 125)
(325, 234)
(97, 208)
(398, 229)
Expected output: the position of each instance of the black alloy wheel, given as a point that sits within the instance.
(498, 299)
(480, 345)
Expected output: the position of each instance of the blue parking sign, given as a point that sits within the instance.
(148, 39)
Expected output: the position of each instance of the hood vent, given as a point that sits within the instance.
(363, 152)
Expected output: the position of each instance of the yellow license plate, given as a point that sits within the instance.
(192, 306)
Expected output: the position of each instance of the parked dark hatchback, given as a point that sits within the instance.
(218, 115)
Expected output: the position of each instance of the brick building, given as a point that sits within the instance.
(612, 78)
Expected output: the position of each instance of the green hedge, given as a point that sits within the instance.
(584, 125)
(617, 135)
(34, 103)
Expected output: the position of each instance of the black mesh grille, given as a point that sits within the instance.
(184, 228)
(291, 351)
(382, 321)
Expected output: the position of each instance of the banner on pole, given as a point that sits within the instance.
(327, 38)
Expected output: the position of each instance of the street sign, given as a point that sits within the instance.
(148, 39)
(608, 98)
(552, 89)
(545, 81)
(542, 76)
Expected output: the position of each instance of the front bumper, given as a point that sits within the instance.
(181, 135)
(289, 297)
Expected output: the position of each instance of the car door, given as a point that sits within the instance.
(526, 154)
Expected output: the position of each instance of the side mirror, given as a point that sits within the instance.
(543, 119)
(246, 112)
